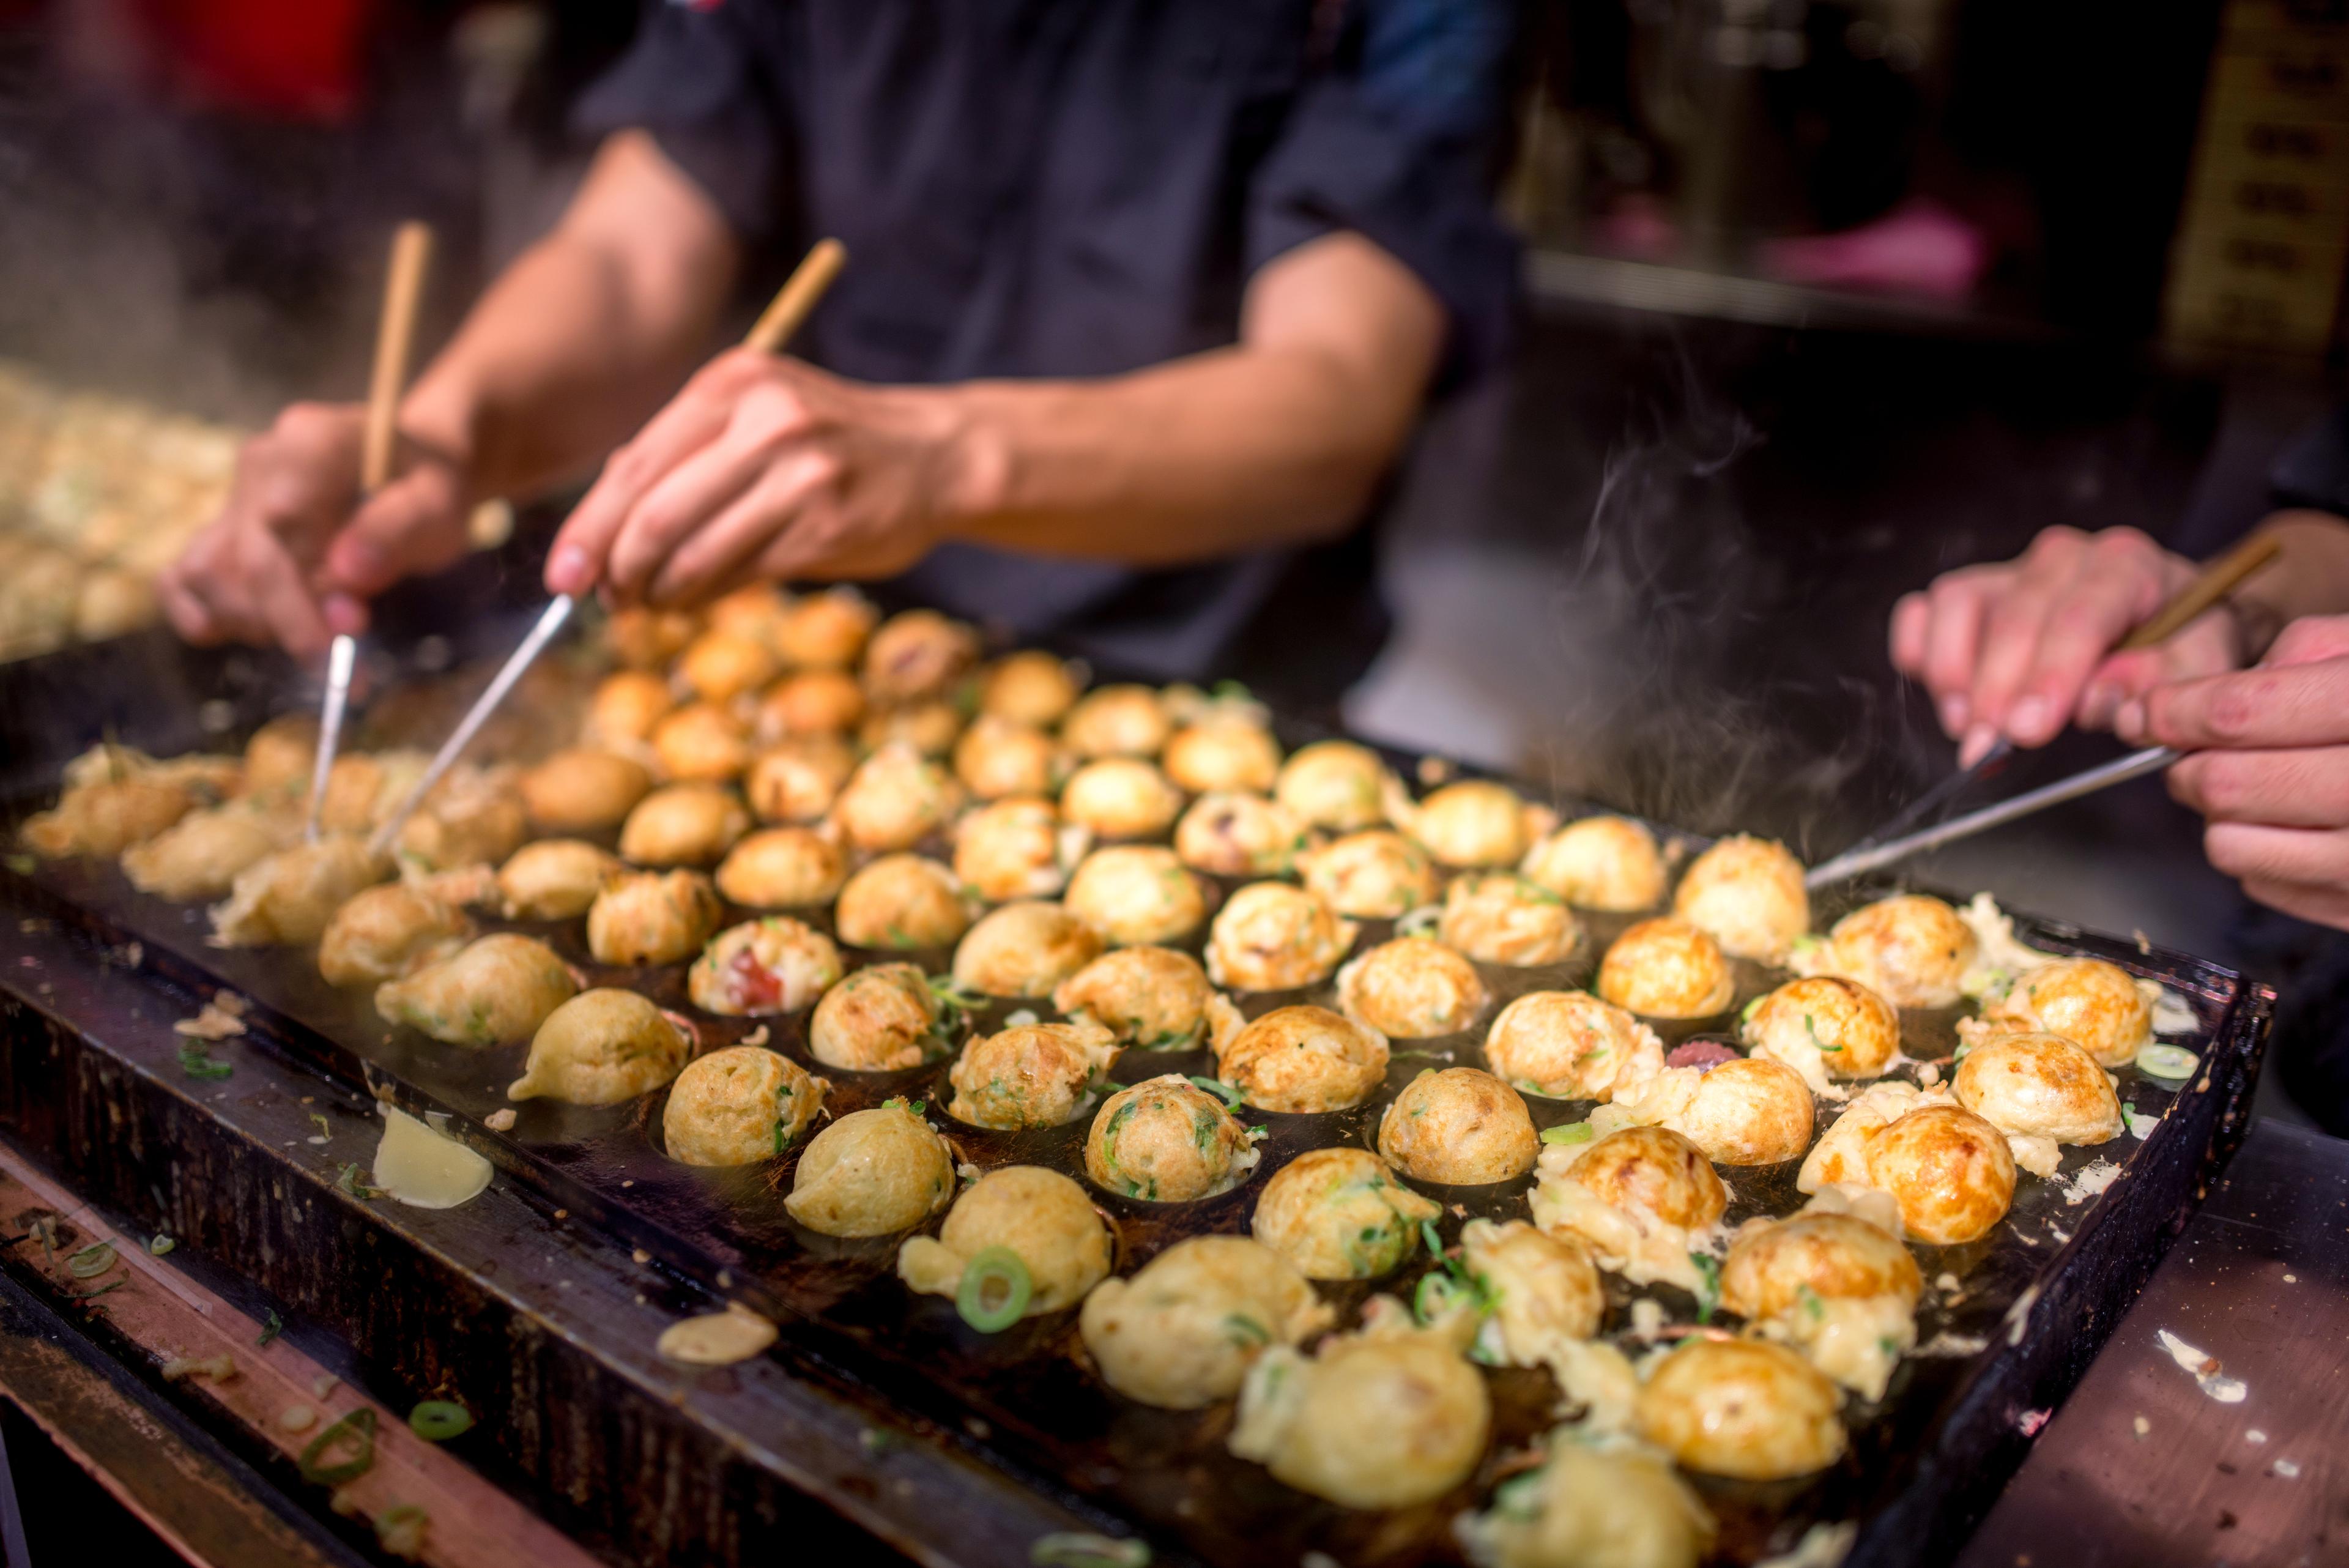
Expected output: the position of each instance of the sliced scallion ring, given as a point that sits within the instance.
(1074, 1549)
(438, 1421)
(1568, 1132)
(1231, 1096)
(1437, 1294)
(91, 1262)
(356, 1431)
(2173, 1061)
(995, 1291)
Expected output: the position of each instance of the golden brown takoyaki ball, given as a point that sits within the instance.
(720, 665)
(1460, 1126)
(1029, 688)
(917, 653)
(490, 992)
(882, 1019)
(1222, 753)
(2093, 1004)
(1741, 1407)
(756, 611)
(281, 755)
(1912, 951)
(643, 637)
(199, 856)
(1117, 722)
(765, 966)
(1750, 1111)
(387, 931)
(1040, 1216)
(1654, 1169)
(1335, 784)
(826, 630)
(1272, 937)
(1643, 1199)
(652, 917)
(364, 788)
(996, 758)
(602, 1047)
(1951, 1171)
(1570, 1045)
(475, 823)
(783, 869)
(702, 742)
(1016, 848)
(1136, 893)
(931, 727)
(1591, 1508)
(1302, 1059)
(1167, 1336)
(1666, 968)
(1375, 875)
(1412, 988)
(895, 799)
(1498, 916)
(624, 709)
(683, 825)
(810, 703)
(555, 878)
(1152, 999)
(1234, 834)
(1609, 863)
(798, 777)
(1340, 1214)
(1841, 1290)
(738, 1106)
(2040, 1090)
(1121, 797)
(1747, 894)
(1825, 1027)
(1543, 1288)
(872, 1173)
(103, 819)
(1024, 948)
(582, 789)
(1166, 1141)
(286, 898)
(1030, 1075)
(902, 902)
(1474, 823)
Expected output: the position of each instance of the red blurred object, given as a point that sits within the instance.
(298, 59)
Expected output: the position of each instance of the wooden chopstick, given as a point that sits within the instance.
(2212, 583)
(412, 254)
(784, 314)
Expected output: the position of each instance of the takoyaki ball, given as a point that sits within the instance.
(490, 992)
(720, 666)
(1134, 893)
(1748, 1111)
(652, 917)
(1741, 1407)
(103, 819)
(895, 799)
(643, 637)
(1412, 988)
(1235, 834)
(1024, 948)
(1167, 1140)
(1152, 999)
(624, 709)
(199, 856)
(1496, 916)
(902, 902)
(1117, 722)
(1667, 967)
(762, 966)
(1029, 1075)
(683, 825)
(1340, 1214)
(996, 757)
(281, 755)
(1609, 863)
(555, 878)
(1039, 1216)
(1374, 875)
(2041, 1090)
(1544, 1288)
(872, 1173)
(917, 653)
(286, 898)
(1643, 1199)
(385, 931)
(1951, 1172)
(2095, 1005)
(1825, 1027)
(1839, 1290)
(1015, 849)
(783, 869)
(1301, 1060)
(702, 742)
(1912, 951)
(1171, 1336)
(1588, 1507)
(756, 611)
(365, 788)
(882, 1019)
(602, 1047)
(738, 1106)
(1747, 894)
(1270, 936)
(1121, 797)
(1461, 1127)
(582, 789)
(799, 777)
(1570, 1045)
(826, 630)
(1030, 687)
(1335, 784)
(930, 727)
(474, 825)
(812, 702)
(1474, 823)
(1840, 1157)
(1222, 753)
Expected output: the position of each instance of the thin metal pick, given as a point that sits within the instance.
(341, 656)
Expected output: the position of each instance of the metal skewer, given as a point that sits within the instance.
(784, 316)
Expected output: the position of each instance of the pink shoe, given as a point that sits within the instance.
(1919, 247)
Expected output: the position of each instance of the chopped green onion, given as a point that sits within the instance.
(1076, 1549)
(995, 1291)
(91, 1262)
(23, 864)
(1708, 1294)
(270, 1327)
(196, 1062)
(1245, 1330)
(1437, 1295)
(438, 1421)
(1231, 1096)
(2140, 1125)
(400, 1530)
(1568, 1132)
(2173, 1061)
(358, 1431)
(159, 1244)
(1435, 1242)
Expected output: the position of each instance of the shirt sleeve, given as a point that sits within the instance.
(1394, 138)
(692, 79)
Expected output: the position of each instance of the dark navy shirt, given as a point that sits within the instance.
(1082, 187)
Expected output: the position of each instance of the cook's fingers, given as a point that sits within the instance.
(411, 527)
(686, 501)
(2310, 639)
(768, 511)
(1953, 641)
(2253, 852)
(184, 609)
(2118, 587)
(2297, 705)
(1912, 620)
(2010, 644)
(694, 419)
(281, 598)
(2300, 788)
(2326, 906)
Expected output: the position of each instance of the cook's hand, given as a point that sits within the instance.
(2271, 766)
(2022, 647)
(289, 560)
(765, 467)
